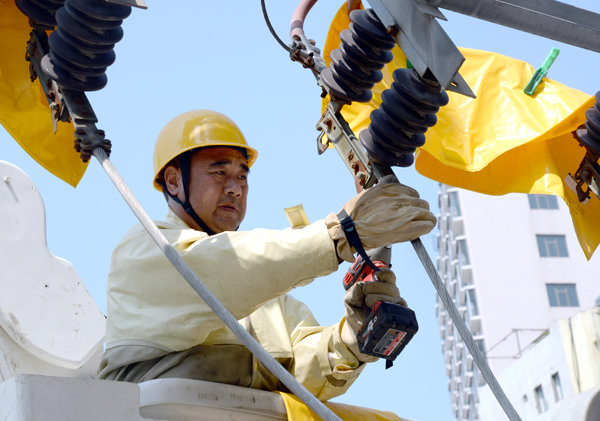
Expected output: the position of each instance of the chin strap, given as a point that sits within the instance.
(184, 160)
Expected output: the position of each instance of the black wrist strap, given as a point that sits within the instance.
(353, 239)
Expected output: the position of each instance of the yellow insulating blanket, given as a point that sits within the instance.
(502, 142)
(24, 110)
(298, 411)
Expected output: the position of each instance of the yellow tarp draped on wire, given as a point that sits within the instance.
(298, 411)
(502, 142)
(24, 110)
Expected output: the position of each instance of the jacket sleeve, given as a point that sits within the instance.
(149, 302)
(322, 363)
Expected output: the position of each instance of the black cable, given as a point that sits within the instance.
(264, 9)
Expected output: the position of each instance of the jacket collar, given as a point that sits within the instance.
(172, 218)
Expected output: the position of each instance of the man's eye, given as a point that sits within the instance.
(243, 177)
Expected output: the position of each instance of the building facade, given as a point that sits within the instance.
(558, 378)
(513, 266)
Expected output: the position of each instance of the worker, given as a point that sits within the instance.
(158, 327)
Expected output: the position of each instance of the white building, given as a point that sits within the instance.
(514, 266)
(558, 378)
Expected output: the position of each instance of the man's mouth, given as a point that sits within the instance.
(228, 208)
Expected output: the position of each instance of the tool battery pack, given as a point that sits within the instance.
(387, 330)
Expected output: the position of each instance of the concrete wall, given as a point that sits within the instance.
(572, 350)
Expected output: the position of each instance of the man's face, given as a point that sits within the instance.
(218, 187)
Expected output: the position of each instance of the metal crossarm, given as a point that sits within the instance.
(547, 18)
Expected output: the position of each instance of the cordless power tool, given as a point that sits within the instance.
(388, 327)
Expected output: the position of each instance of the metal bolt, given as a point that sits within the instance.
(350, 155)
(586, 172)
(391, 29)
(100, 132)
(312, 42)
(361, 176)
(328, 122)
(7, 180)
(297, 37)
(80, 132)
(53, 106)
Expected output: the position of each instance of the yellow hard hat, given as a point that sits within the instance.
(196, 129)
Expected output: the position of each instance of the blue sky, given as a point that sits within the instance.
(178, 56)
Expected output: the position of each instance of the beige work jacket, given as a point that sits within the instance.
(151, 305)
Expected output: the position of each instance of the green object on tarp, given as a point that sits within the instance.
(541, 72)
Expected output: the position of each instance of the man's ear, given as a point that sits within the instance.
(173, 180)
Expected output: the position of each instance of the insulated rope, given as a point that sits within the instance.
(464, 331)
(259, 352)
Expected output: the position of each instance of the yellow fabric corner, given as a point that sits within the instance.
(298, 411)
(24, 110)
(537, 166)
(502, 142)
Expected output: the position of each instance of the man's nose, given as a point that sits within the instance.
(233, 187)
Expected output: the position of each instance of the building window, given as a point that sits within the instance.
(473, 302)
(540, 401)
(480, 345)
(552, 246)
(454, 205)
(562, 295)
(542, 201)
(462, 252)
(558, 393)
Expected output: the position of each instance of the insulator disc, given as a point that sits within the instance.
(70, 81)
(86, 32)
(344, 91)
(364, 77)
(39, 11)
(356, 65)
(407, 110)
(73, 55)
(91, 21)
(383, 155)
(82, 46)
(101, 9)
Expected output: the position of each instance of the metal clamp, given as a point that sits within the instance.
(588, 136)
(66, 104)
(88, 138)
(304, 51)
(339, 134)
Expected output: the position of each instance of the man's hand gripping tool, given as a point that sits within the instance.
(388, 327)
